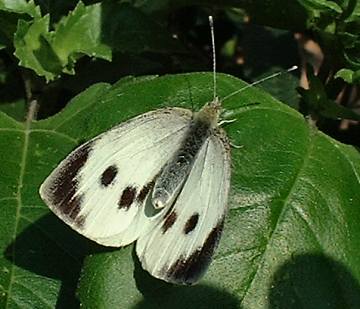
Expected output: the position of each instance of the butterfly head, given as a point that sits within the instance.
(210, 112)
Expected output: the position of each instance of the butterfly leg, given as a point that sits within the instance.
(225, 121)
(236, 146)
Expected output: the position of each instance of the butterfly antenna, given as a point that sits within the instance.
(260, 81)
(211, 23)
(190, 94)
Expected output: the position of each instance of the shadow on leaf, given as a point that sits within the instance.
(314, 281)
(51, 249)
(160, 294)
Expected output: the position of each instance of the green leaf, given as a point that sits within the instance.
(96, 30)
(80, 32)
(293, 210)
(354, 11)
(33, 48)
(15, 109)
(348, 75)
(20, 7)
(288, 215)
(322, 5)
(41, 259)
(317, 102)
(352, 57)
(11, 11)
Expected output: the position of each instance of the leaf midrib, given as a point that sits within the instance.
(27, 131)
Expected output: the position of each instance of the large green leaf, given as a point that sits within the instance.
(40, 260)
(291, 237)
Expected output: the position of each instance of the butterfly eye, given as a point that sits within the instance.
(108, 175)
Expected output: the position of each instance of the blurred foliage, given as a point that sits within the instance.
(62, 47)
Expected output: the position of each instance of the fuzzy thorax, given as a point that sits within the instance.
(210, 113)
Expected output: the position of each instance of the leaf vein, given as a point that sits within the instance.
(26, 132)
(8, 198)
(57, 133)
(33, 293)
(282, 213)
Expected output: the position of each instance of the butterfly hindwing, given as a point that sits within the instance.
(179, 247)
(101, 187)
(161, 178)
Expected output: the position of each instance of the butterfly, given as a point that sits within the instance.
(161, 178)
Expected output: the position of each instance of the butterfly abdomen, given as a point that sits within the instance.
(175, 172)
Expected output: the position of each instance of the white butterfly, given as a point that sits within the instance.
(161, 178)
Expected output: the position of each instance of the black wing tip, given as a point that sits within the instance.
(58, 191)
(188, 271)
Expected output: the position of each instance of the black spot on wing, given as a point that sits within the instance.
(63, 188)
(145, 191)
(127, 198)
(169, 221)
(189, 270)
(191, 223)
(108, 175)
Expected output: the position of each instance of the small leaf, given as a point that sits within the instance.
(33, 48)
(10, 14)
(20, 7)
(353, 12)
(348, 75)
(317, 101)
(80, 32)
(322, 5)
(95, 30)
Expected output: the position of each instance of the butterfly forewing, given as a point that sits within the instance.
(179, 247)
(101, 187)
(161, 178)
